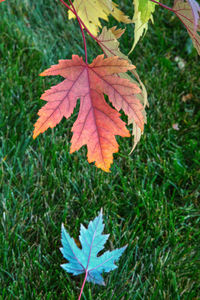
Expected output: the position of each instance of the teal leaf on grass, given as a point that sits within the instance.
(85, 260)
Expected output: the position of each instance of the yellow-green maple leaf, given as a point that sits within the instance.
(142, 14)
(108, 40)
(91, 10)
(146, 8)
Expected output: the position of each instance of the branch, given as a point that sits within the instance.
(73, 10)
(92, 36)
(162, 5)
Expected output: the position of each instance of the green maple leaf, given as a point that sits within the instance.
(142, 15)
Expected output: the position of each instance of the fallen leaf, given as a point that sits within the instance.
(180, 62)
(186, 97)
(175, 126)
(87, 259)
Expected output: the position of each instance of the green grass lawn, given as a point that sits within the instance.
(150, 199)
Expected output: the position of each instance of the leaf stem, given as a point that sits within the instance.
(73, 10)
(63, 2)
(162, 5)
(86, 273)
(92, 36)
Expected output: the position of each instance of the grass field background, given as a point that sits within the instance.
(150, 199)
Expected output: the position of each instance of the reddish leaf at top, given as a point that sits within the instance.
(195, 7)
(97, 123)
(188, 13)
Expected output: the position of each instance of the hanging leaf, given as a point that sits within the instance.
(146, 9)
(97, 123)
(188, 14)
(110, 46)
(143, 10)
(87, 260)
(91, 10)
(195, 7)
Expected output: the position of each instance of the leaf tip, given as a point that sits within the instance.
(35, 132)
(42, 74)
(34, 135)
(125, 247)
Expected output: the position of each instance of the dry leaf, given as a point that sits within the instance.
(186, 97)
(175, 126)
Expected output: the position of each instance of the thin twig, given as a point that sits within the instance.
(162, 5)
(73, 10)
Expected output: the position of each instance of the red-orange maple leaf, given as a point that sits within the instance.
(97, 123)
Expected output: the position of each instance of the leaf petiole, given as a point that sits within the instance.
(84, 281)
(92, 36)
(162, 5)
(79, 21)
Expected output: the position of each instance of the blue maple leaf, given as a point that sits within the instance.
(85, 260)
